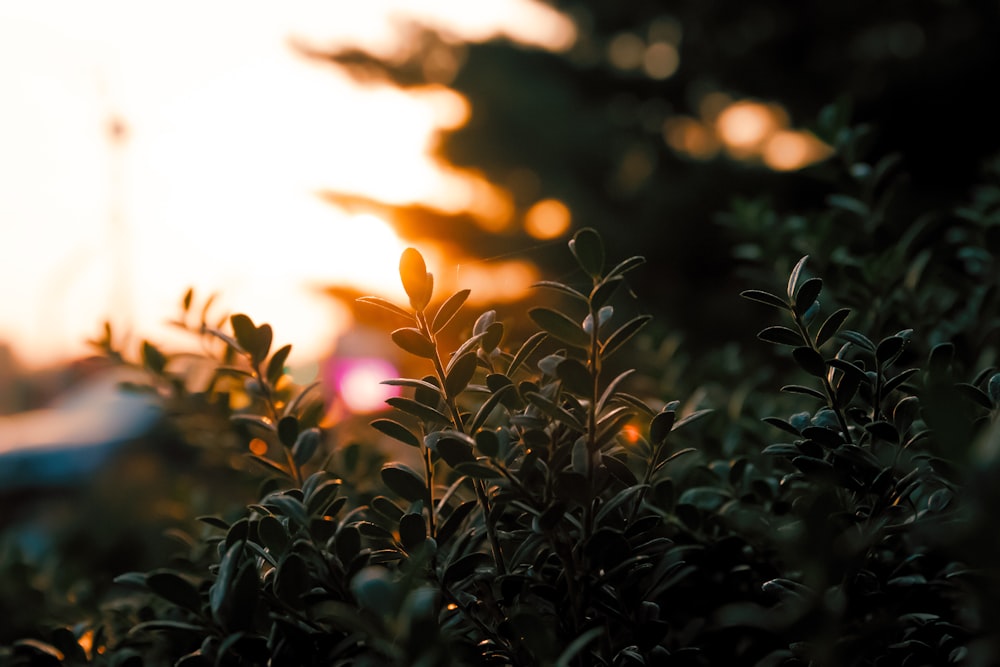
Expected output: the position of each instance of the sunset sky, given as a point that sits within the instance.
(229, 136)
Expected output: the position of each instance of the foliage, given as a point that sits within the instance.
(553, 516)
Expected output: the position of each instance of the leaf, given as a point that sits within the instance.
(527, 347)
(152, 358)
(765, 297)
(895, 382)
(575, 377)
(561, 287)
(292, 580)
(781, 424)
(588, 249)
(661, 425)
(806, 294)
(449, 309)
(489, 405)
(623, 334)
(219, 593)
(610, 390)
(975, 394)
(780, 336)
(888, 349)
(576, 646)
(419, 410)
(603, 291)
(460, 374)
(455, 451)
(810, 361)
(849, 368)
(554, 411)
(694, 416)
(831, 326)
(272, 534)
(276, 367)
(174, 588)
(415, 342)
(793, 278)
(288, 430)
(478, 471)
(625, 266)
(412, 531)
(256, 341)
(404, 481)
(386, 305)
(560, 327)
(396, 431)
(799, 389)
(858, 339)
(417, 283)
(306, 445)
(580, 457)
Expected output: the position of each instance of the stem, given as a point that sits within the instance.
(831, 394)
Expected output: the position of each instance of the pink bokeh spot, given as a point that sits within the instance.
(355, 382)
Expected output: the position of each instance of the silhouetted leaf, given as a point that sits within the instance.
(418, 410)
(276, 367)
(765, 297)
(858, 339)
(603, 291)
(799, 389)
(623, 334)
(454, 451)
(974, 394)
(414, 342)
(527, 347)
(588, 249)
(460, 374)
(490, 404)
(780, 336)
(810, 361)
(806, 295)
(397, 431)
(888, 349)
(412, 531)
(152, 358)
(560, 327)
(575, 377)
(561, 287)
(386, 305)
(449, 309)
(831, 326)
(404, 481)
(174, 588)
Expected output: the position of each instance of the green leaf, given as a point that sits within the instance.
(478, 471)
(793, 278)
(415, 342)
(806, 295)
(810, 361)
(417, 283)
(888, 349)
(422, 412)
(525, 351)
(292, 580)
(661, 425)
(276, 367)
(219, 593)
(767, 298)
(780, 336)
(484, 411)
(492, 337)
(625, 266)
(603, 291)
(386, 305)
(306, 444)
(272, 534)
(488, 443)
(455, 451)
(174, 588)
(799, 389)
(975, 394)
(858, 339)
(588, 249)
(554, 411)
(404, 481)
(460, 374)
(831, 326)
(623, 334)
(560, 287)
(694, 416)
(397, 431)
(560, 327)
(449, 309)
(575, 377)
(609, 391)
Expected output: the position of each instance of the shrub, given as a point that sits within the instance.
(552, 516)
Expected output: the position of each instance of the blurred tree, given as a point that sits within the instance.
(626, 127)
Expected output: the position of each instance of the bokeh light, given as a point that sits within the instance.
(547, 219)
(355, 383)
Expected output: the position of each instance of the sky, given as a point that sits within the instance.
(228, 136)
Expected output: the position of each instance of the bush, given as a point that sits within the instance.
(549, 515)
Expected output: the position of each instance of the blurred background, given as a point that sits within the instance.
(282, 156)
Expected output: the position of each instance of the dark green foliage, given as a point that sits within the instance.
(563, 513)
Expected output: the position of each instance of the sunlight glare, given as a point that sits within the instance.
(745, 125)
(789, 150)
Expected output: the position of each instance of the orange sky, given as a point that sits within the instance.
(230, 135)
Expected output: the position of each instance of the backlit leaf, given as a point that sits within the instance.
(588, 249)
(449, 309)
(404, 481)
(414, 341)
(560, 326)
